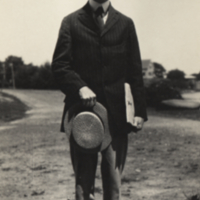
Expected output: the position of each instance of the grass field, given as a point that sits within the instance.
(163, 161)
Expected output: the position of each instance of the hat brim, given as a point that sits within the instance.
(97, 109)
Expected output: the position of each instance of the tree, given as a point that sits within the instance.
(176, 75)
(198, 76)
(178, 79)
(12, 64)
(26, 76)
(159, 70)
(23, 76)
(43, 79)
(16, 61)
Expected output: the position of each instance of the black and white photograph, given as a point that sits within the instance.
(100, 100)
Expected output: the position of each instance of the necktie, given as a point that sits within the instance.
(98, 15)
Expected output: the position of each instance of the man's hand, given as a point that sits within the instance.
(87, 96)
(138, 122)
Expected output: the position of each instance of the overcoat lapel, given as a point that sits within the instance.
(112, 19)
(85, 16)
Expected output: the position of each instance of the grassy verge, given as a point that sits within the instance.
(164, 160)
(193, 114)
(11, 108)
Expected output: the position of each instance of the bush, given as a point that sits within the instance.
(159, 90)
(176, 75)
(180, 84)
(32, 77)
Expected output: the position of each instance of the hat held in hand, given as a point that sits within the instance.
(88, 128)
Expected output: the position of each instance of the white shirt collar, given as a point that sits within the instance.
(95, 5)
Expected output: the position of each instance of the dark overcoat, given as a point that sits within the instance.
(103, 61)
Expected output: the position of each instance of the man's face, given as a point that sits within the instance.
(100, 1)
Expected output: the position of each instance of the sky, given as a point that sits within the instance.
(168, 30)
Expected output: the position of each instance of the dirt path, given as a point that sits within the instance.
(35, 162)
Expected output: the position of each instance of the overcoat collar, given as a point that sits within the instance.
(86, 17)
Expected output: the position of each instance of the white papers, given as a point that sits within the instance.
(129, 102)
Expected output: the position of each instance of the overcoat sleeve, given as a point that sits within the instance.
(134, 73)
(68, 80)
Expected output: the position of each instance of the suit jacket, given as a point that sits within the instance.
(103, 61)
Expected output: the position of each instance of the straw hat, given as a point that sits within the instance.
(88, 128)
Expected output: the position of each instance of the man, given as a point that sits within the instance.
(96, 53)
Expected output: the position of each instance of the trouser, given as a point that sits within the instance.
(112, 164)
